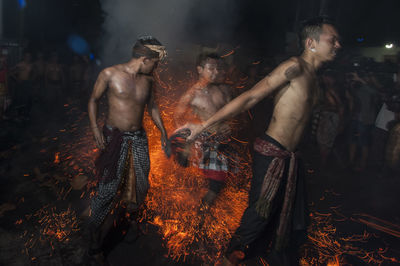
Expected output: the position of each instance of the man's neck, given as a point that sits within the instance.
(203, 82)
(132, 67)
(313, 62)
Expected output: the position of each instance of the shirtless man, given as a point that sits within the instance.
(76, 72)
(274, 195)
(23, 73)
(54, 82)
(203, 100)
(39, 69)
(3, 85)
(331, 117)
(123, 166)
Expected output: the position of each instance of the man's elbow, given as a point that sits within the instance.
(93, 100)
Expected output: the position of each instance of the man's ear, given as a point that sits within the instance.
(199, 69)
(145, 60)
(309, 44)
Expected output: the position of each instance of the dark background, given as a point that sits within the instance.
(256, 23)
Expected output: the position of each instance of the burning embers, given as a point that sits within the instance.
(174, 200)
(54, 228)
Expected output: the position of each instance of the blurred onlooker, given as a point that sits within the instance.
(88, 81)
(392, 153)
(3, 86)
(23, 73)
(330, 117)
(380, 135)
(365, 97)
(54, 83)
(75, 78)
(39, 70)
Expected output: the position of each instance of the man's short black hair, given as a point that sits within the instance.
(312, 28)
(203, 57)
(139, 49)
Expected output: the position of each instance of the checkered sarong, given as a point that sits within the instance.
(136, 143)
(213, 152)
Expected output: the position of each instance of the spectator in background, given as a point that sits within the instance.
(76, 77)
(24, 75)
(392, 152)
(54, 83)
(3, 86)
(39, 70)
(331, 117)
(363, 118)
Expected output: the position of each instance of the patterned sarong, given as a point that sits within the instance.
(122, 169)
(273, 181)
(214, 155)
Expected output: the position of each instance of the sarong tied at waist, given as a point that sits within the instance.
(272, 182)
(111, 169)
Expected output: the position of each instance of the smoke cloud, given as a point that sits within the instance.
(172, 22)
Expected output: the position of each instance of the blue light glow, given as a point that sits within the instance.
(22, 3)
(78, 44)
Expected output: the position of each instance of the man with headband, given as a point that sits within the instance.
(276, 210)
(123, 166)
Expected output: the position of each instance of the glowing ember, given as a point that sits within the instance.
(53, 227)
(175, 193)
(57, 158)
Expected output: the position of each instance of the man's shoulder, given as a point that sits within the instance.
(292, 68)
(109, 71)
(292, 61)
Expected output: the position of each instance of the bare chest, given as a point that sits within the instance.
(129, 89)
(25, 68)
(209, 99)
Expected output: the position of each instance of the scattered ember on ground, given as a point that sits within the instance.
(174, 199)
(328, 246)
(53, 227)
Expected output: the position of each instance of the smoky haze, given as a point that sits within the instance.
(173, 22)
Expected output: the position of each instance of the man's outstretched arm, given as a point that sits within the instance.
(99, 87)
(278, 78)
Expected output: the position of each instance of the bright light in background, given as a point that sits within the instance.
(389, 45)
(78, 44)
(22, 3)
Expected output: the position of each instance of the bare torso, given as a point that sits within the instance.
(40, 68)
(54, 72)
(127, 97)
(293, 105)
(24, 71)
(76, 72)
(207, 101)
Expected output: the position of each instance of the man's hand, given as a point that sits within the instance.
(195, 130)
(166, 145)
(99, 138)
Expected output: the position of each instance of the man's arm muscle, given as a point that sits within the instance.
(99, 87)
(152, 108)
(279, 77)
